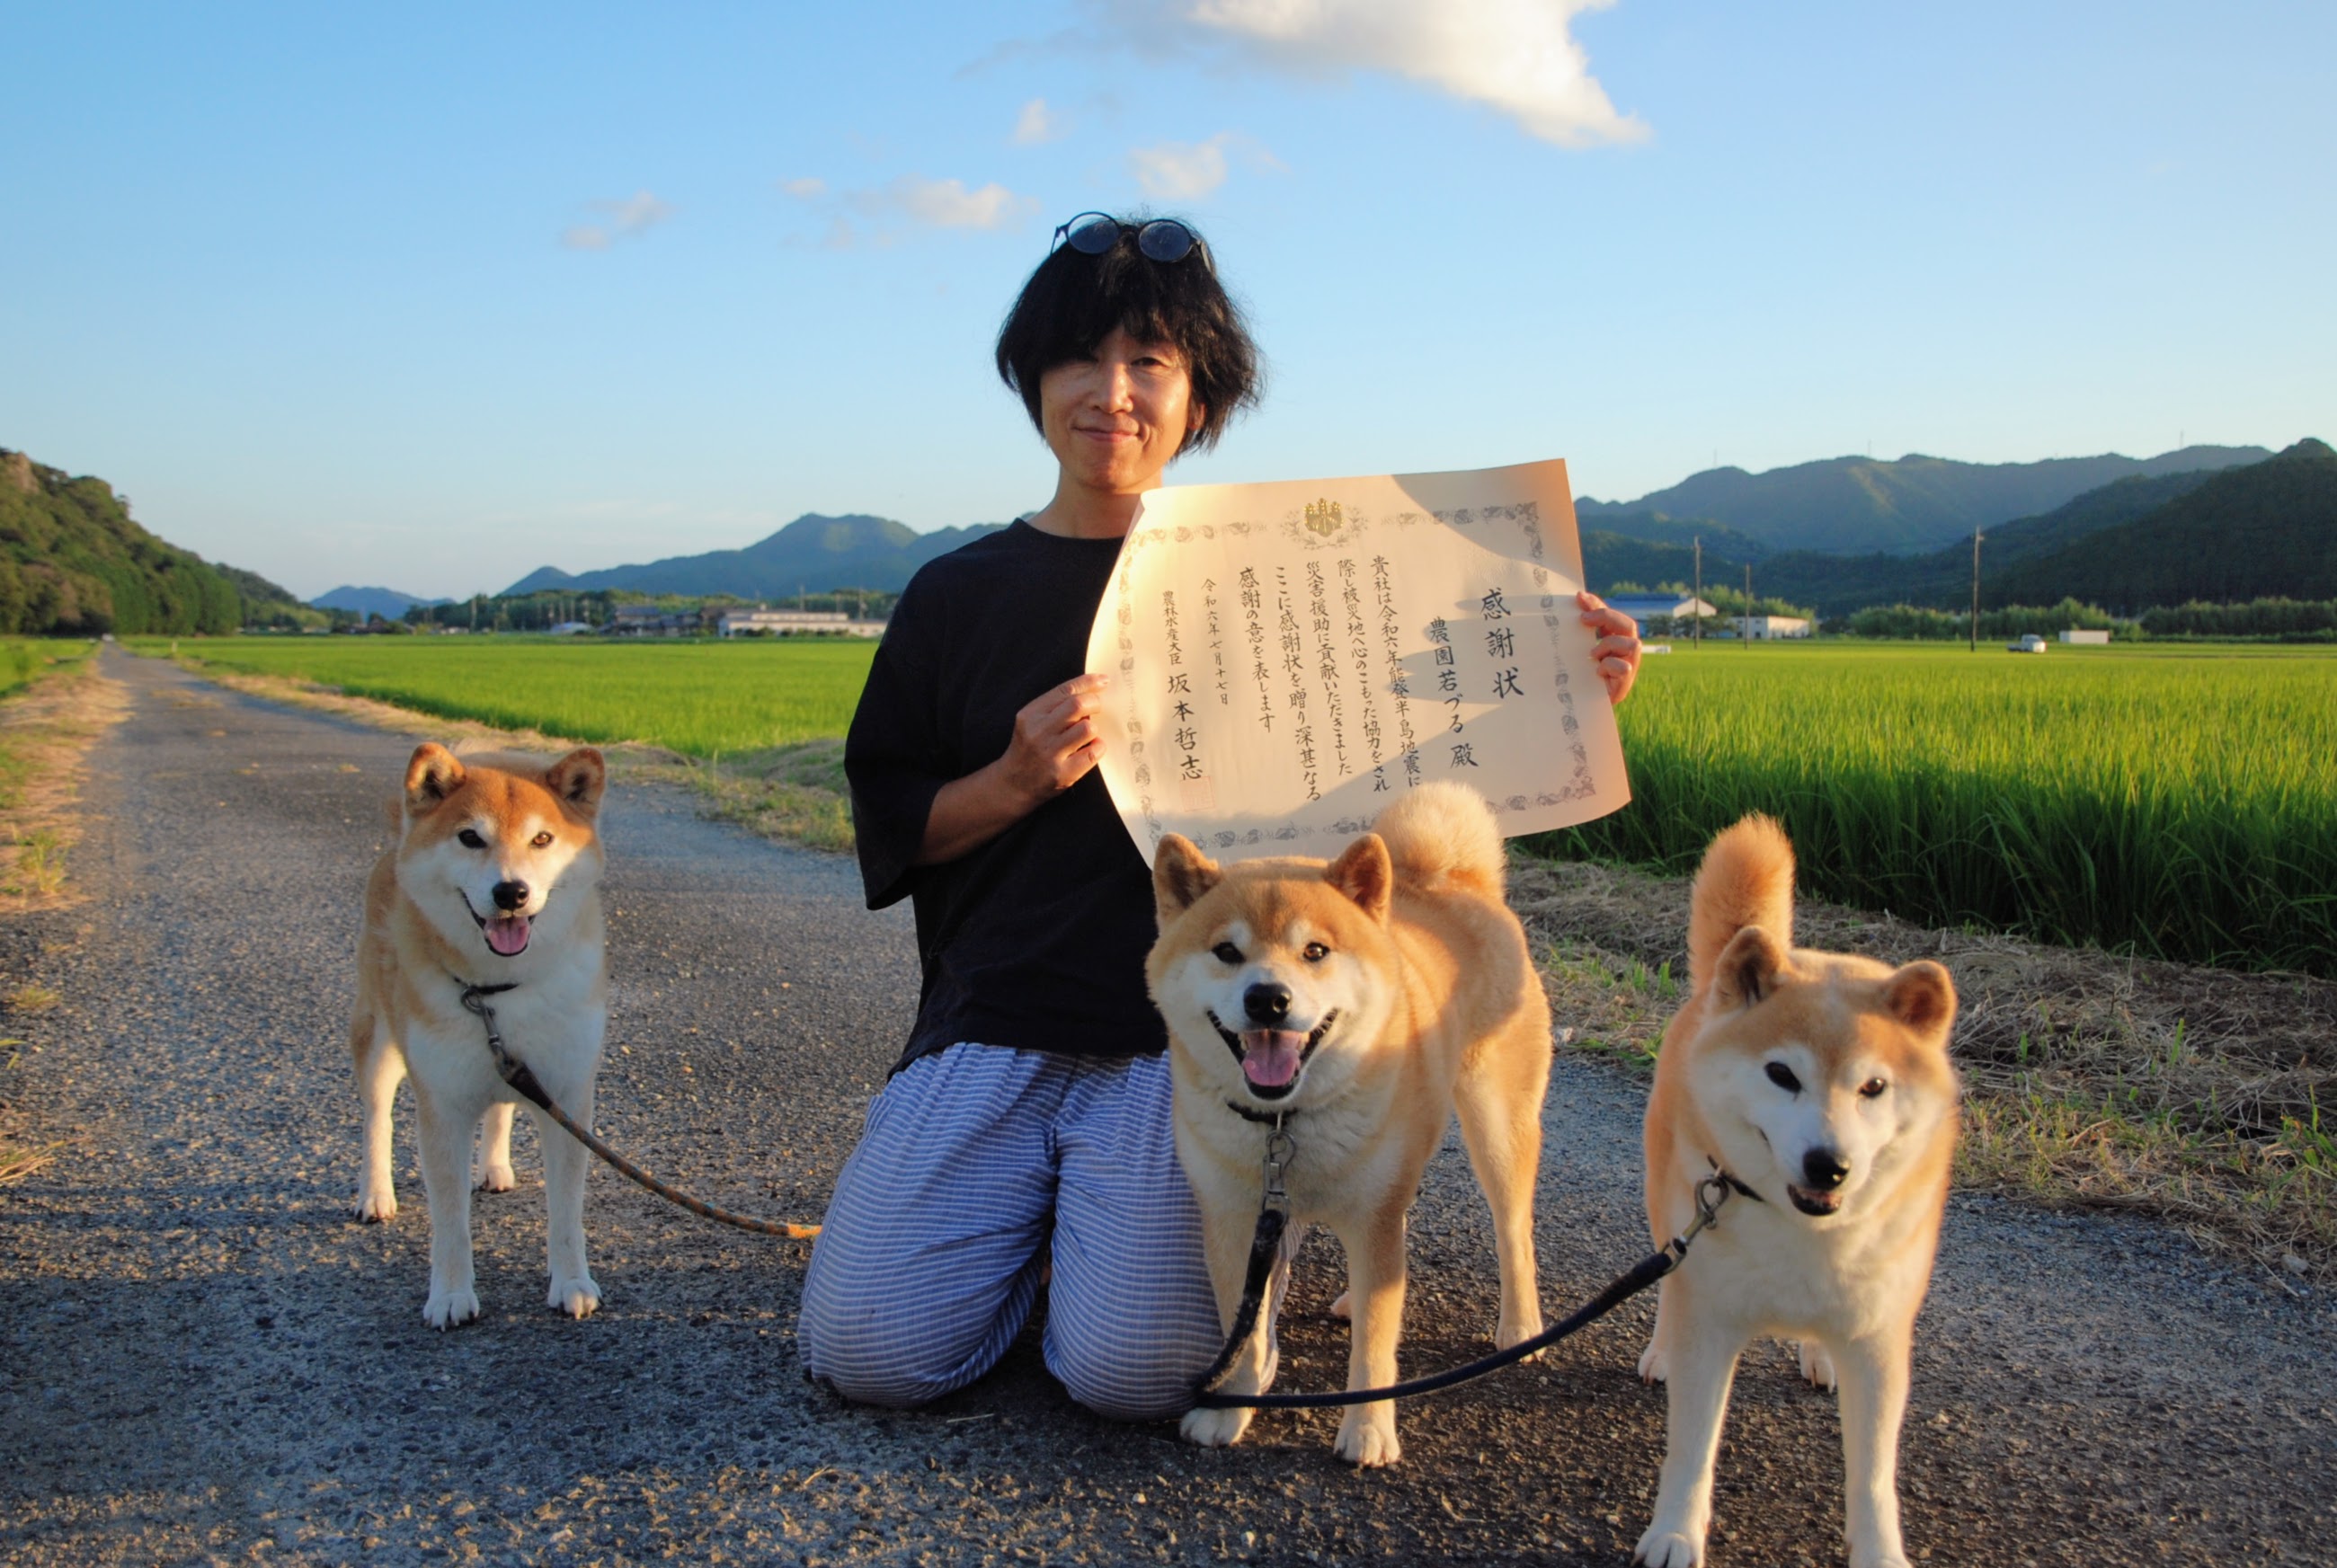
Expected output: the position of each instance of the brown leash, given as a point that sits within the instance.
(522, 1081)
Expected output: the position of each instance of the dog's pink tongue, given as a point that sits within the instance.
(508, 935)
(1270, 1056)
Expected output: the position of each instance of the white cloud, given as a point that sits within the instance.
(1517, 56)
(628, 218)
(1038, 123)
(912, 199)
(1180, 170)
(948, 204)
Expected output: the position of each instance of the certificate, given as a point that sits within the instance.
(1286, 659)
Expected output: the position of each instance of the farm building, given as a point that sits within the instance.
(1644, 608)
(648, 620)
(1771, 628)
(760, 622)
(2085, 639)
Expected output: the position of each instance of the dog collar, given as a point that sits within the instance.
(1734, 1185)
(1263, 1118)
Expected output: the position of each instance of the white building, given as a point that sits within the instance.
(1771, 628)
(2085, 638)
(1644, 608)
(761, 622)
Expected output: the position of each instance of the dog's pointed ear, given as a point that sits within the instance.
(1181, 873)
(432, 774)
(1921, 996)
(1364, 874)
(1747, 969)
(579, 779)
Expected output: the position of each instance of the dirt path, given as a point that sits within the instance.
(201, 1358)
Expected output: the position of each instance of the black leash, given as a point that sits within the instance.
(1710, 1194)
(522, 1081)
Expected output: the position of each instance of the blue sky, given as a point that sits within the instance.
(430, 296)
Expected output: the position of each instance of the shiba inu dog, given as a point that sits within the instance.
(1360, 1001)
(493, 881)
(1818, 1087)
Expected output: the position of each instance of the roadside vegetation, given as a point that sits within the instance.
(47, 716)
(52, 706)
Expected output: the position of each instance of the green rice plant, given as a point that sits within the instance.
(2176, 804)
(697, 697)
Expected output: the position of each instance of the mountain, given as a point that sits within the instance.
(1662, 528)
(1838, 584)
(73, 564)
(1855, 505)
(813, 551)
(386, 602)
(2268, 531)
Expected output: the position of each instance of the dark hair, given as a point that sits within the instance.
(1073, 301)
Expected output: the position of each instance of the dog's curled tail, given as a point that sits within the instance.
(1746, 880)
(1442, 835)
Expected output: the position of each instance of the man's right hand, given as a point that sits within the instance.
(1056, 740)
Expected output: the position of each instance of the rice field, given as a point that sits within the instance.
(703, 698)
(2174, 802)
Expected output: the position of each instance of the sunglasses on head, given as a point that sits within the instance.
(1095, 233)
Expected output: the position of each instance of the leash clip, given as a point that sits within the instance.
(1710, 1193)
(1281, 1149)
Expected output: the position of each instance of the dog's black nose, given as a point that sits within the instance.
(1266, 1005)
(511, 895)
(1824, 1169)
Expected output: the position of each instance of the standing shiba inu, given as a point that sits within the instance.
(1360, 1001)
(1818, 1085)
(493, 881)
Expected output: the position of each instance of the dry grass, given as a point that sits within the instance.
(30, 998)
(2093, 1082)
(795, 792)
(45, 732)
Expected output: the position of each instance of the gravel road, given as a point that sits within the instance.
(202, 1359)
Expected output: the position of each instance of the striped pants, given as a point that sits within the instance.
(976, 1168)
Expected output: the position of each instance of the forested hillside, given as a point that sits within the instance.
(2268, 531)
(1845, 505)
(73, 564)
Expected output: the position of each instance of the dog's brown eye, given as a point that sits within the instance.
(1316, 952)
(1872, 1087)
(470, 840)
(1227, 953)
(1783, 1077)
(539, 839)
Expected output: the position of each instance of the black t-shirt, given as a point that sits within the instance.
(1036, 940)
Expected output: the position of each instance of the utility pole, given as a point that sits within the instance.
(1696, 606)
(1748, 604)
(1975, 615)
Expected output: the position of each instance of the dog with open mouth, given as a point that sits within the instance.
(1816, 1087)
(1353, 1005)
(494, 883)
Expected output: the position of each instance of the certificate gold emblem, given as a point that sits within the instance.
(1324, 517)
